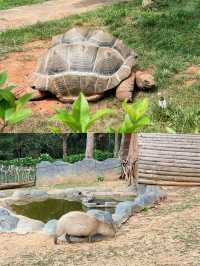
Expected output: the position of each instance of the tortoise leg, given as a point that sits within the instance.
(125, 89)
(71, 99)
(36, 94)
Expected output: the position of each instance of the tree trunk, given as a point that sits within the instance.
(89, 146)
(116, 148)
(65, 138)
(124, 146)
(121, 146)
(133, 148)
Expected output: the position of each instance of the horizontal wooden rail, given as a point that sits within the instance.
(16, 185)
(169, 159)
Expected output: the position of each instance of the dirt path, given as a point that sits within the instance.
(163, 236)
(55, 9)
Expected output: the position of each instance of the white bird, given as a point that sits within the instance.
(162, 102)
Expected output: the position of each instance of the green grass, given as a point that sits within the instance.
(166, 38)
(6, 4)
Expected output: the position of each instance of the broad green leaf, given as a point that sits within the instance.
(141, 123)
(137, 109)
(18, 116)
(126, 126)
(8, 96)
(4, 105)
(8, 113)
(3, 78)
(23, 100)
(98, 115)
(80, 112)
(66, 118)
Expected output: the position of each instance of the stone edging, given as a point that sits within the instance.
(147, 197)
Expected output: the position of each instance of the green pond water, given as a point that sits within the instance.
(48, 209)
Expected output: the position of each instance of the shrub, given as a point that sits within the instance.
(29, 161)
(45, 157)
(74, 158)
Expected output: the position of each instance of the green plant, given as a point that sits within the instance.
(98, 155)
(102, 155)
(26, 161)
(12, 111)
(99, 178)
(79, 119)
(45, 157)
(74, 158)
(135, 116)
(146, 209)
(177, 119)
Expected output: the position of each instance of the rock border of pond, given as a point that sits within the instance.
(147, 197)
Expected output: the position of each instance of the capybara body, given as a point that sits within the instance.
(80, 224)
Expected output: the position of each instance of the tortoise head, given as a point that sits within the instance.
(145, 80)
(38, 82)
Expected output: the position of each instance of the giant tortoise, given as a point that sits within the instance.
(91, 61)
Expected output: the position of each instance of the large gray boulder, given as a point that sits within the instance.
(27, 225)
(2, 195)
(158, 192)
(124, 210)
(29, 195)
(8, 222)
(50, 227)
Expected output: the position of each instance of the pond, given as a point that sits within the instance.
(48, 209)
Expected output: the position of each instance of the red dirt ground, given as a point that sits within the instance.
(20, 65)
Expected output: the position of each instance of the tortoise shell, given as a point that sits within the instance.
(88, 60)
